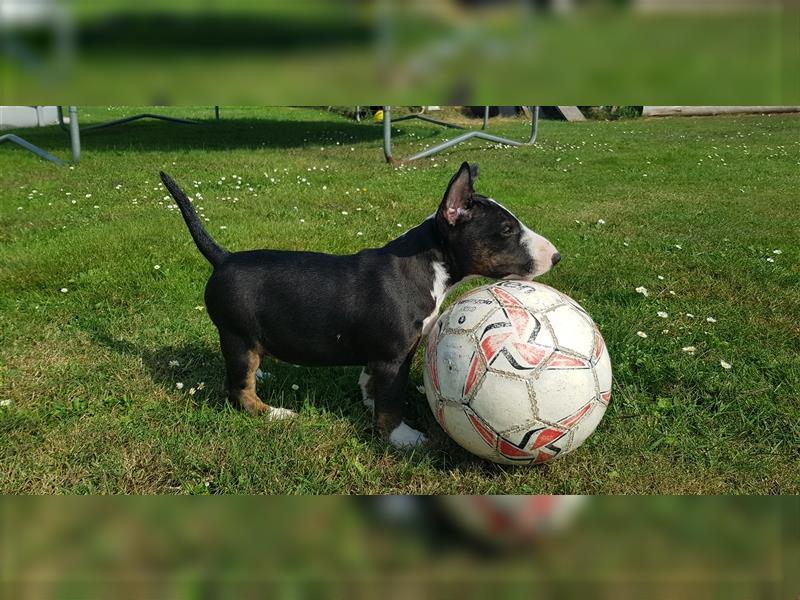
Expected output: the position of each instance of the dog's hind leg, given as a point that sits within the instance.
(242, 360)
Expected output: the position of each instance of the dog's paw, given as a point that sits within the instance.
(278, 414)
(406, 437)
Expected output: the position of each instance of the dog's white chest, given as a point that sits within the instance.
(438, 293)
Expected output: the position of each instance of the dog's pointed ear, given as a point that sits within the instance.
(473, 169)
(457, 199)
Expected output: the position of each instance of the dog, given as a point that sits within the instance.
(368, 309)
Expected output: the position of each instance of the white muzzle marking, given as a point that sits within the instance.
(540, 250)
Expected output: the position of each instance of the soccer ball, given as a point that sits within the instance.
(517, 372)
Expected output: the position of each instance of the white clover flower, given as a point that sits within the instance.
(777, 251)
(725, 365)
(661, 278)
(173, 363)
(601, 222)
(641, 334)
(642, 290)
(770, 260)
(711, 319)
(662, 314)
(295, 387)
(689, 349)
(64, 290)
(5, 402)
(179, 385)
(690, 315)
(156, 267)
(192, 391)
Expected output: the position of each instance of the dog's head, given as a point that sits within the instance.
(484, 238)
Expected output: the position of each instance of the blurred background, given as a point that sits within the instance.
(442, 51)
(401, 547)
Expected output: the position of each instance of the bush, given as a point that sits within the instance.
(611, 113)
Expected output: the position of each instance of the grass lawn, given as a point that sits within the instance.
(101, 288)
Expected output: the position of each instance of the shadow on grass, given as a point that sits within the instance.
(319, 390)
(226, 134)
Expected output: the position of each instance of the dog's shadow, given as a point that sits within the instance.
(305, 390)
(200, 367)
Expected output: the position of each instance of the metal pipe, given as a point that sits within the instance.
(61, 123)
(15, 139)
(74, 134)
(387, 134)
(422, 117)
(137, 117)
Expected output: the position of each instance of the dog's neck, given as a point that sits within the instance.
(424, 242)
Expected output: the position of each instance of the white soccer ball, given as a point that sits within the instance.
(517, 372)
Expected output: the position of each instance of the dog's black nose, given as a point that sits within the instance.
(556, 258)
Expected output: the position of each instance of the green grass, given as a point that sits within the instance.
(92, 404)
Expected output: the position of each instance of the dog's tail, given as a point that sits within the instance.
(207, 246)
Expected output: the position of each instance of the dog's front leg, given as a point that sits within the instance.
(387, 386)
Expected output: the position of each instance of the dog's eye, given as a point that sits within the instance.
(507, 230)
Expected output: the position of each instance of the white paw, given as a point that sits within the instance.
(404, 436)
(278, 414)
(259, 374)
(363, 380)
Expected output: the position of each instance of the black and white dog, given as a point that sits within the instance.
(370, 308)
